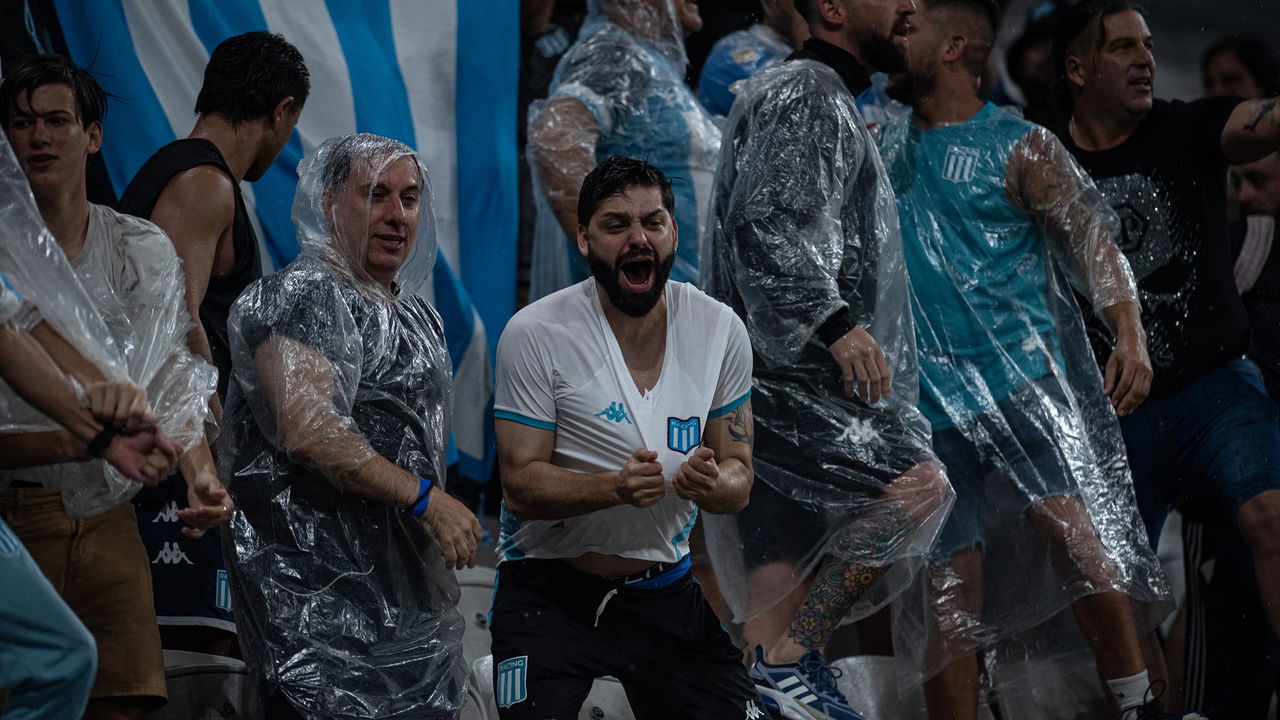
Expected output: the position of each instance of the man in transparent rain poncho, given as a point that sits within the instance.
(620, 91)
(994, 215)
(335, 435)
(804, 246)
(68, 508)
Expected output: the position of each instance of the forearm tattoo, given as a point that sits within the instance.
(740, 425)
(1265, 109)
(835, 589)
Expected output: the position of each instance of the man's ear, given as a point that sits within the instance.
(582, 239)
(1075, 71)
(832, 12)
(282, 109)
(94, 132)
(955, 49)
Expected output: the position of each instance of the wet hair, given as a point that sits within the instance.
(615, 175)
(1086, 17)
(249, 74)
(1256, 56)
(346, 152)
(982, 36)
(36, 71)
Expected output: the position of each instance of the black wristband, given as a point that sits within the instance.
(101, 441)
(836, 326)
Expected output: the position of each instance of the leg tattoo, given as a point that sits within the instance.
(837, 586)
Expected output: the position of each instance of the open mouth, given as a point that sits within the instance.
(40, 160)
(1142, 83)
(902, 28)
(637, 274)
(391, 243)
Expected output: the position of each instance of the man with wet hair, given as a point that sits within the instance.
(1208, 430)
(52, 111)
(623, 411)
(1045, 517)
(335, 434)
(255, 86)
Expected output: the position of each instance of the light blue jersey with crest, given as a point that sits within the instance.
(978, 265)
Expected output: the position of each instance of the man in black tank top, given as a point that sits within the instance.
(254, 88)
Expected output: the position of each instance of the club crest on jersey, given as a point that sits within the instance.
(684, 435)
(616, 412)
(960, 163)
(511, 681)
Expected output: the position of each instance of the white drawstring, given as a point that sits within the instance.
(608, 596)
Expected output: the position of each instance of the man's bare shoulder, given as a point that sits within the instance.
(201, 198)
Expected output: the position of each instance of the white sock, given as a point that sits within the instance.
(1130, 691)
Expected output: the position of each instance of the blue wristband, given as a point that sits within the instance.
(424, 494)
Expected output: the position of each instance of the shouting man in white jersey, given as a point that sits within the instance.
(622, 410)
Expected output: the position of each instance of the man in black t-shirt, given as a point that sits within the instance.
(1208, 427)
(254, 88)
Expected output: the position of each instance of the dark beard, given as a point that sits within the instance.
(636, 305)
(910, 87)
(881, 54)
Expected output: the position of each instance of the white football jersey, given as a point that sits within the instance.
(560, 368)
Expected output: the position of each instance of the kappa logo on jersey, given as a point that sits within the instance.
(171, 554)
(511, 685)
(684, 435)
(754, 712)
(168, 515)
(616, 412)
(960, 163)
(222, 594)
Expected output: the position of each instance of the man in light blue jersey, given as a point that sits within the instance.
(620, 91)
(994, 213)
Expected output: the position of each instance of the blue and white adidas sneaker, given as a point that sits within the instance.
(809, 682)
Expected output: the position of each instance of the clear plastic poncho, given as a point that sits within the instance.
(803, 226)
(999, 224)
(343, 603)
(121, 304)
(627, 69)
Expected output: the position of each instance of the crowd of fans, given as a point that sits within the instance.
(834, 328)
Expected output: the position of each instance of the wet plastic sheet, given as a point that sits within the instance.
(803, 226)
(121, 304)
(618, 91)
(344, 604)
(999, 224)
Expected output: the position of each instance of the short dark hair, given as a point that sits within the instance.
(986, 12)
(807, 8)
(1256, 56)
(36, 71)
(1088, 16)
(248, 74)
(616, 174)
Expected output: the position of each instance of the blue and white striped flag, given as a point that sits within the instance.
(439, 75)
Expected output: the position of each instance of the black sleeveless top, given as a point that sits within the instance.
(139, 199)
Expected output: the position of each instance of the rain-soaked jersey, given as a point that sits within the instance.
(560, 368)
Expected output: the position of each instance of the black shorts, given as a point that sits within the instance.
(556, 629)
(188, 576)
